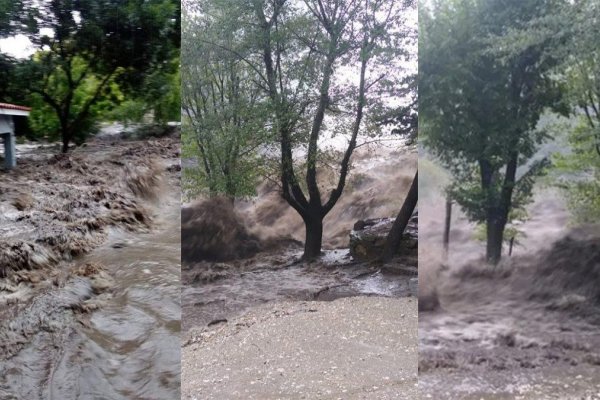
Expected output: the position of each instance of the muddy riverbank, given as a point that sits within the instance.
(99, 316)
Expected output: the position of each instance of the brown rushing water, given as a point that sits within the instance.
(376, 187)
(129, 347)
(526, 329)
(270, 278)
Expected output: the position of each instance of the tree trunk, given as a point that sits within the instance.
(394, 237)
(314, 238)
(498, 216)
(65, 144)
(448, 220)
(65, 134)
(495, 233)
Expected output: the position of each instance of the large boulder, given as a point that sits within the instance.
(367, 239)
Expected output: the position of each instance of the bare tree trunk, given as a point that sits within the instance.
(448, 220)
(394, 237)
(65, 134)
(314, 238)
(495, 233)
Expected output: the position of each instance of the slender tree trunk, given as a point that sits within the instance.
(394, 237)
(314, 238)
(448, 220)
(65, 144)
(495, 232)
(498, 216)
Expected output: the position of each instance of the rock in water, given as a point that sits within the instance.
(367, 239)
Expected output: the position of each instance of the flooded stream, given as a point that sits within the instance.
(214, 292)
(99, 318)
(270, 278)
(525, 329)
(129, 348)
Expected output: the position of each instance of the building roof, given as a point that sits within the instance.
(7, 106)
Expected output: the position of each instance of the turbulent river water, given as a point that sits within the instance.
(64, 339)
(270, 277)
(526, 329)
(129, 348)
(213, 292)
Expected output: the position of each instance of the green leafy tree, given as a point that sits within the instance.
(304, 55)
(224, 124)
(581, 72)
(572, 28)
(481, 101)
(44, 122)
(118, 40)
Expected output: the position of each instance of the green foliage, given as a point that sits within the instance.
(9, 11)
(481, 101)
(159, 97)
(10, 90)
(582, 73)
(131, 110)
(95, 46)
(570, 32)
(580, 170)
(225, 115)
(44, 121)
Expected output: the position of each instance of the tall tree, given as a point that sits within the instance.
(480, 103)
(118, 40)
(327, 67)
(581, 72)
(224, 111)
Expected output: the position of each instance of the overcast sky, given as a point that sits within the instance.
(19, 45)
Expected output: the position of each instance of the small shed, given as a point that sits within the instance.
(7, 131)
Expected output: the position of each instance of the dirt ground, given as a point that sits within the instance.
(350, 348)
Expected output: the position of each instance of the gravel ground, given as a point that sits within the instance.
(351, 348)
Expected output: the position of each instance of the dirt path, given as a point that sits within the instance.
(350, 348)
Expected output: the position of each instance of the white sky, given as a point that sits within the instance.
(20, 46)
(17, 46)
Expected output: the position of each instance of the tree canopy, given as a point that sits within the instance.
(87, 47)
(481, 102)
(319, 69)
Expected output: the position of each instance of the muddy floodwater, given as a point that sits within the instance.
(109, 330)
(228, 290)
(214, 292)
(528, 328)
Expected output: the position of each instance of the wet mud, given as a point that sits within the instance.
(90, 308)
(528, 328)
